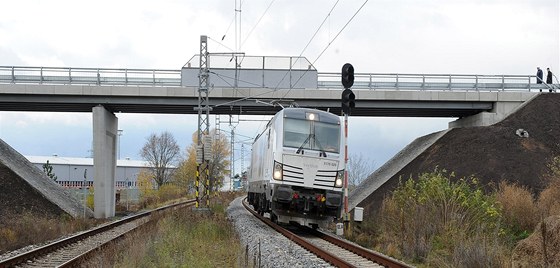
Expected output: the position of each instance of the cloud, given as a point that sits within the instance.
(435, 36)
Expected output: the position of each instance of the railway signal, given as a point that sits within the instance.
(348, 103)
(347, 75)
(348, 97)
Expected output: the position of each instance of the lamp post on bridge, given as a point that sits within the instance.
(119, 134)
(85, 191)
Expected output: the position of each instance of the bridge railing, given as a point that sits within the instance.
(172, 78)
(89, 76)
(464, 82)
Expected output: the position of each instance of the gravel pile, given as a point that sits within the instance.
(265, 247)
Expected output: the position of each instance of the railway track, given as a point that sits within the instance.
(71, 251)
(338, 252)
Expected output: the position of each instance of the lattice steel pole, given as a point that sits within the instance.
(203, 116)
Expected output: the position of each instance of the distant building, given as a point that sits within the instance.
(71, 171)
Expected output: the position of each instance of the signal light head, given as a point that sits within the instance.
(347, 75)
(348, 101)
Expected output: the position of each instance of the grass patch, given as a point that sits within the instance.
(28, 228)
(185, 238)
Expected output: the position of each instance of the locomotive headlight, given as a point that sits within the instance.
(277, 172)
(311, 116)
(339, 179)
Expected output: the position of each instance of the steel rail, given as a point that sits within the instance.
(300, 241)
(368, 254)
(43, 250)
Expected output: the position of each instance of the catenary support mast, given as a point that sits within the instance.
(203, 108)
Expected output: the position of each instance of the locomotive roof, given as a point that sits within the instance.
(301, 113)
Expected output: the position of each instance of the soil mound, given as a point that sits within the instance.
(493, 153)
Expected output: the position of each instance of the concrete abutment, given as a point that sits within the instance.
(105, 127)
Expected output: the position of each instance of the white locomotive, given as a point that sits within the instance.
(297, 167)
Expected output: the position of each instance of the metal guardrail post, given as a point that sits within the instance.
(423, 82)
(369, 85)
(397, 85)
(476, 82)
(98, 77)
(263, 66)
(154, 77)
(449, 83)
(529, 83)
(70, 75)
(503, 82)
(126, 77)
(290, 72)
(41, 79)
(13, 76)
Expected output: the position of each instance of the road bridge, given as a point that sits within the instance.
(473, 99)
(168, 91)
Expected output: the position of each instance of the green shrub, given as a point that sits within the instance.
(169, 192)
(431, 215)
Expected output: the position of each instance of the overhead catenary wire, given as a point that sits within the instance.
(319, 28)
(339, 32)
(301, 53)
(306, 46)
(258, 22)
(312, 64)
(221, 44)
(329, 44)
(232, 20)
(239, 80)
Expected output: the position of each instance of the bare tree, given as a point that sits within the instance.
(359, 167)
(161, 152)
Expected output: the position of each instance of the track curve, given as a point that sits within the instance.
(330, 248)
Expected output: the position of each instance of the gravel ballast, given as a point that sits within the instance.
(264, 245)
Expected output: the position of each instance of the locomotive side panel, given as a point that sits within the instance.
(262, 167)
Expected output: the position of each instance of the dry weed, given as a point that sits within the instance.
(518, 206)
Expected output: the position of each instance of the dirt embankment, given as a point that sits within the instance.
(492, 153)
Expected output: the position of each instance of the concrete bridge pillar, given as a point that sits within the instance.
(105, 125)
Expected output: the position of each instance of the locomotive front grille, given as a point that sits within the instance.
(293, 174)
(325, 178)
(321, 178)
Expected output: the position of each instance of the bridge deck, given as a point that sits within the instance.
(160, 91)
(172, 78)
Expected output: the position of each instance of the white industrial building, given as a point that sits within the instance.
(75, 172)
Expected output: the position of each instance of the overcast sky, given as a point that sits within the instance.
(388, 36)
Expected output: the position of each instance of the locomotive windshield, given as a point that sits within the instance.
(312, 135)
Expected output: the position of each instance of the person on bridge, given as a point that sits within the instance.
(539, 75)
(549, 79)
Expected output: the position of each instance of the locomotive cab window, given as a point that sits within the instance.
(311, 135)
